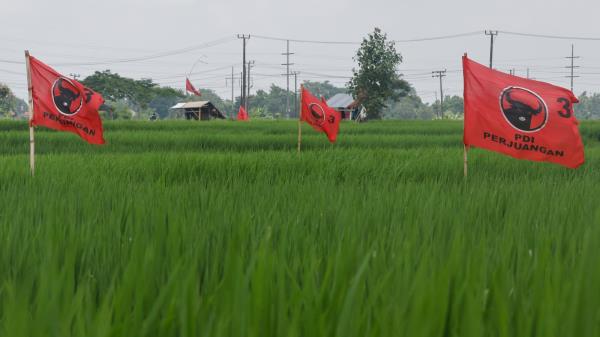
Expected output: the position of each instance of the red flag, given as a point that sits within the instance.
(242, 114)
(521, 118)
(319, 115)
(64, 104)
(189, 87)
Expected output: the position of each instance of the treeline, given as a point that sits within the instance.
(10, 105)
(128, 98)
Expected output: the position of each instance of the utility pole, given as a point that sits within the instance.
(232, 78)
(492, 34)
(249, 84)
(287, 74)
(241, 89)
(528, 74)
(296, 111)
(244, 38)
(572, 66)
(440, 74)
(75, 76)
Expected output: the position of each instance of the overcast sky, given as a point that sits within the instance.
(68, 34)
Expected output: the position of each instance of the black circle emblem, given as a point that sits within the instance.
(523, 109)
(317, 113)
(67, 97)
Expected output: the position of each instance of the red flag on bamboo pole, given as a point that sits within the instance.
(189, 87)
(62, 103)
(319, 115)
(521, 118)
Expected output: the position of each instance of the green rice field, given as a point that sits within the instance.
(223, 229)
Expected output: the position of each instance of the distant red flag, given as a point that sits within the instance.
(521, 118)
(242, 114)
(64, 104)
(189, 87)
(319, 115)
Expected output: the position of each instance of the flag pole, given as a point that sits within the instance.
(465, 146)
(300, 121)
(31, 131)
(466, 160)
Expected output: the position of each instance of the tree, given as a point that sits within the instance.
(325, 89)
(376, 81)
(409, 107)
(10, 105)
(454, 107)
(142, 97)
(588, 107)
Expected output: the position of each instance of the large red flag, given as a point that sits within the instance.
(521, 118)
(64, 104)
(319, 115)
(189, 87)
(242, 114)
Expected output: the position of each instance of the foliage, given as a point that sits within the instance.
(325, 89)
(454, 106)
(376, 81)
(222, 229)
(142, 96)
(588, 107)
(10, 105)
(409, 107)
(273, 102)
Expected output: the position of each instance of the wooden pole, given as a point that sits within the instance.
(300, 121)
(31, 131)
(466, 161)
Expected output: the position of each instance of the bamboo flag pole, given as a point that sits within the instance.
(300, 121)
(466, 161)
(31, 131)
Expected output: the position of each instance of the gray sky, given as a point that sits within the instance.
(69, 33)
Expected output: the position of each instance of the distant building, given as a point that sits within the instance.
(345, 104)
(201, 110)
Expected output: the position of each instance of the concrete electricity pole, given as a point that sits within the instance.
(287, 74)
(572, 66)
(492, 34)
(440, 74)
(244, 38)
(232, 79)
(296, 111)
(249, 84)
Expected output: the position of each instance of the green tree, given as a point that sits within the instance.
(376, 80)
(588, 107)
(409, 107)
(10, 105)
(454, 107)
(142, 97)
(325, 89)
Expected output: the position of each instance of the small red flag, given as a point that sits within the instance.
(319, 115)
(521, 118)
(242, 114)
(64, 104)
(189, 87)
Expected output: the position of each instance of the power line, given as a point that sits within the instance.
(545, 36)
(424, 39)
(150, 57)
